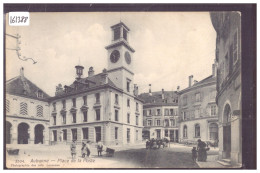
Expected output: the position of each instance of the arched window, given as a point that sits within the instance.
(39, 110)
(7, 106)
(213, 131)
(23, 108)
(197, 130)
(185, 131)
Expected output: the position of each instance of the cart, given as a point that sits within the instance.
(110, 152)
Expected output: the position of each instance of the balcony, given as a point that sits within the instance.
(73, 110)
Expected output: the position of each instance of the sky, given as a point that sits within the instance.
(170, 46)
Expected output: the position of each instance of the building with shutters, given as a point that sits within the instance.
(160, 115)
(228, 57)
(100, 107)
(198, 110)
(27, 112)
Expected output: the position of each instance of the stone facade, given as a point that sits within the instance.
(27, 113)
(228, 56)
(198, 111)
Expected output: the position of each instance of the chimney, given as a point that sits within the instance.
(178, 88)
(91, 72)
(150, 89)
(22, 72)
(163, 94)
(103, 75)
(190, 80)
(213, 70)
(137, 92)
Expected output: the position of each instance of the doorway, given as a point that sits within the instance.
(98, 133)
(8, 132)
(23, 135)
(38, 132)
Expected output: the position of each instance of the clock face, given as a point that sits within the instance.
(115, 55)
(127, 57)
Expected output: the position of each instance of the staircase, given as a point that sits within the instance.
(225, 162)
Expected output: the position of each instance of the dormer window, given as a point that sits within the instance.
(40, 94)
(74, 102)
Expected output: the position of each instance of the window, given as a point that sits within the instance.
(23, 108)
(128, 102)
(197, 113)
(184, 115)
(54, 106)
(171, 111)
(39, 110)
(128, 86)
(116, 115)
(125, 34)
(197, 96)
(166, 123)
(7, 106)
(64, 134)
(172, 122)
(192, 114)
(54, 119)
(184, 100)
(213, 110)
(235, 47)
(85, 116)
(116, 33)
(97, 97)
(85, 100)
(197, 130)
(136, 120)
(64, 104)
(128, 118)
(137, 107)
(97, 114)
(149, 122)
(74, 134)
(166, 133)
(166, 111)
(213, 131)
(158, 122)
(136, 135)
(74, 118)
(63, 118)
(116, 99)
(150, 112)
(116, 132)
(128, 135)
(185, 131)
(85, 133)
(158, 111)
(40, 94)
(74, 102)
(145, 112)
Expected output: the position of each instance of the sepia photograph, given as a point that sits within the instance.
(123, 88)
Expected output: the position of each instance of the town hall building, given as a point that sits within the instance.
(100, 107)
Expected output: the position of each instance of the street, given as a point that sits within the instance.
(58, 156)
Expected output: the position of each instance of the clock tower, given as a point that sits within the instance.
(120, 58)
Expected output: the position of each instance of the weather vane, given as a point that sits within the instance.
(17, 49)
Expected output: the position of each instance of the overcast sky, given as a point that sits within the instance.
(169, 47)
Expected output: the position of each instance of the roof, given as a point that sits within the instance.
(119, 24)
(208, 80)
(155, 98)
(21, 86)
(87, 83)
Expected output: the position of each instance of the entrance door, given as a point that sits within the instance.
(98, 133)
(8, 132)
(38, 131)
(23, 135)
(227, 140)
(158, 134)
(171, 135)
(74, 134)
(177, 136)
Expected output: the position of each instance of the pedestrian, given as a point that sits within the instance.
(83, 153)
(87, 148)
(99, 148)
(73, 149)
(194, 154)
(202, 153)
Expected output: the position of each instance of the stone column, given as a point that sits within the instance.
(235, 142)
(31, 133)
(14, 132)
(220, 143)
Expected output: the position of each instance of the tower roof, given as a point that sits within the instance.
(120, 24)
